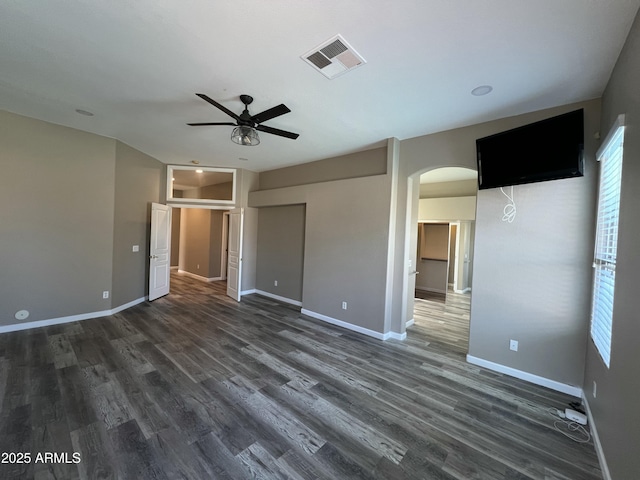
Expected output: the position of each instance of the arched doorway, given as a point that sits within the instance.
(440, 225)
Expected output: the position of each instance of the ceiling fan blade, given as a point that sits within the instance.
(277, 131)
(271, 113)
(217, 105)
(210, 123)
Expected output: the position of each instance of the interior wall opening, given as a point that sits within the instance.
(199, 239)
(442, 230)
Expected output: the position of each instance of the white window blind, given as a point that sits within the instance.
(606, 242)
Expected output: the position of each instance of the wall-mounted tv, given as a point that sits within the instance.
(547, 150)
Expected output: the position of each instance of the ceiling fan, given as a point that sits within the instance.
(246, 124)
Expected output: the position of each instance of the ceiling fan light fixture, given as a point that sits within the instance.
(245, 135)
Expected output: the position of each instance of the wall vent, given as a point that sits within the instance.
(333, 57)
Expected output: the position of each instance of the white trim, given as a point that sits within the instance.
(466, 290)
(174, 204)
(393, 168)
(71, 318)
(130, 304)
(432, 290)
(279, 298)
(248, 292)
(199, 277)
(617, 123)
(409, 323)
(354, 328)
(529, 377)
(205, 202)
(175, 268)
(396, 336)
(596, 441)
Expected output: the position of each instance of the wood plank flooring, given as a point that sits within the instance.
(443, 319)
(197, 386)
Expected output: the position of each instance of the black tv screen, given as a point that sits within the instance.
(547, 150)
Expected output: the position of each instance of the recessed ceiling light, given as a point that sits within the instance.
(481, 90)
(243, 159)
(198, 171)
(86, 113)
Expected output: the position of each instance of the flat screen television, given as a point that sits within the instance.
(547, 150)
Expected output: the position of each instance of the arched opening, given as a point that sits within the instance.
(440, 228)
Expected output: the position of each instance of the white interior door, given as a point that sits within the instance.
(234, 265)
(159, 251)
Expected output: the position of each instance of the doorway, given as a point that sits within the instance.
(199, 238)
(441, 219)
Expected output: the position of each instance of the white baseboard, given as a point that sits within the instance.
(175, 268)
(606, 475)
(529, 377)
(409, 323)
(466, 290)
(279, 298)
(248, 292)
(395, 336)
(199, 277)
(71, 318)
(433, 290)
(354, 328)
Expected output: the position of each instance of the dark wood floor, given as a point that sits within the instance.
(196, 386)
(443, 319)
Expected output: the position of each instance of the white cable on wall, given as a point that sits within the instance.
(509, 211)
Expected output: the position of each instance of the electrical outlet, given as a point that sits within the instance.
(105, 294)
(198, 266)
(344, 305)
(135, 248)
(595, 388)
(275, 283)
(513, 345)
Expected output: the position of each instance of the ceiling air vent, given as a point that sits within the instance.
(333, 57)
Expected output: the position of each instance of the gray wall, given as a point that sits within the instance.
(281, 251)
(432, 261)
(346, 242)
(539, 201)
(215, 234)
(532, 277)
(195, 242)
(64, 234)
(615, 409)
(175, 236)
(359, 164)
(459, 188)
(138, 182)
(456, 148)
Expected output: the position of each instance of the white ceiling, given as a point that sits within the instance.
(448, 174)
(138, 64)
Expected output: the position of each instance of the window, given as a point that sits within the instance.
(606, 242)
(203, 187)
